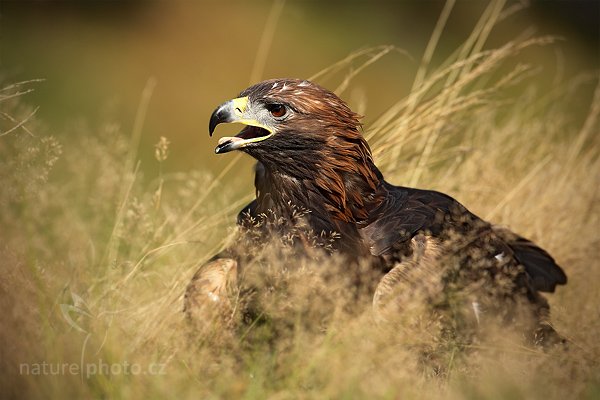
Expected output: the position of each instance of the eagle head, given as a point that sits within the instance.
(306, 134)
(285, 118)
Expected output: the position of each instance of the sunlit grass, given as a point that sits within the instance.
(95, 260)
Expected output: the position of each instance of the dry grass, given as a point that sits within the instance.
(94, 263)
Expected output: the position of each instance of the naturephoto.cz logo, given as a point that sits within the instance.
(90, 369)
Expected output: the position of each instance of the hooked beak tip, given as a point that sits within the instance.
(214, 121)
(220, 115)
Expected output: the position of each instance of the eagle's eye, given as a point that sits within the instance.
(276, 110)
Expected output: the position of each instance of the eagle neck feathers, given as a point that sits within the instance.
(338, 184)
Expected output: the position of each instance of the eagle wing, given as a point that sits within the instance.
(407, 212)
(542, 269)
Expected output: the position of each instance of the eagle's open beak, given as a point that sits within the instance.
(238, 110)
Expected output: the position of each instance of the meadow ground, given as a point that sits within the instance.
(95, 257)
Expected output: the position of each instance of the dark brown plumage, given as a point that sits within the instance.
(311, 155)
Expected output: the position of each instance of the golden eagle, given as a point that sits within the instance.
(311, 155)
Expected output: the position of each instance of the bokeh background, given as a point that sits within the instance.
(96, 57)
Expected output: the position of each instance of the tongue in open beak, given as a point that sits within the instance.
(250, 134)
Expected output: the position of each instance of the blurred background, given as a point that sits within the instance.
(96, 57)
(81, 231)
